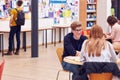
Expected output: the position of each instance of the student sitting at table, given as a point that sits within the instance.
(72, 46)
(96, 49)
(115, 32)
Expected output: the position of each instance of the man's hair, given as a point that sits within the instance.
(19, 2)
(7, 3)
(112, 20)
(75, 24)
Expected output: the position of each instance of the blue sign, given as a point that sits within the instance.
(58, 1)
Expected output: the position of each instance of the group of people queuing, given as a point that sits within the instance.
(95, 49)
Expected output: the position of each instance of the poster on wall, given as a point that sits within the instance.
(58, 8)
(26, 6)
(2, 8)
(6, 6)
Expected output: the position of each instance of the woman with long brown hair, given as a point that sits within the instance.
(96, 48)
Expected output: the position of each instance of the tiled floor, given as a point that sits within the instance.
(44, 67)
(23, 67)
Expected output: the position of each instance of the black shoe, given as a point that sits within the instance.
(8, 53)
(17, 53)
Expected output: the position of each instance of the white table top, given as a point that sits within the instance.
(76, 60)
(73, 60)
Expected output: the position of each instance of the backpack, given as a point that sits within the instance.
(20, 18)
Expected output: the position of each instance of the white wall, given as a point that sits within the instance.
(42, 23)
(103, 11)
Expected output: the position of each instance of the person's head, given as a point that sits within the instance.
(7, 5)
(96, 42)
(112, 20)
(19, 3)
(76, 28)
(96, 32)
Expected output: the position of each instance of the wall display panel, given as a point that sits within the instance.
(2, 8)
(26, 5)
(47, 8)
(7, 5)
(58, 8)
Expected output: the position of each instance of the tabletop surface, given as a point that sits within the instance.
(73, 60)
(6, 29)
(76, 60)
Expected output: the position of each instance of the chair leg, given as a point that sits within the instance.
(69, 75)
(58, 74)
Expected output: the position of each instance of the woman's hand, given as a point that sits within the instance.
(118, 61)
(77, 53)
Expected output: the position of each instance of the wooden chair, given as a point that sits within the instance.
(100, 76)
(59, 52)
(1, 68)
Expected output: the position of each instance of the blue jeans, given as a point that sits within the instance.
(72, 68)
(14, 30)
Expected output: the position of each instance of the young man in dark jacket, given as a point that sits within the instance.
(72, 46)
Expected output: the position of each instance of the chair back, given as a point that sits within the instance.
(100, 76)
(1, 68)
(59, 52)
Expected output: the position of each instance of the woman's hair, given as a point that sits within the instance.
(96, 42)
(112, 20)
(75, 24)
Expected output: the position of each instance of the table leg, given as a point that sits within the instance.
(46, 39)
(52, 36)
(63, 32)
(24, 41)
(43, 38)
(55, 37)
(59, 35)
(2, 45)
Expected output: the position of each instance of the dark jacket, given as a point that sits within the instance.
(98, 67)
(71, 45)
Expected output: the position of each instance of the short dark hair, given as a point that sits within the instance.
(19, 2)
(112, 20)
(75, 24)
(7, 3)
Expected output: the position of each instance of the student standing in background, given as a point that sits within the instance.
(14, 29)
